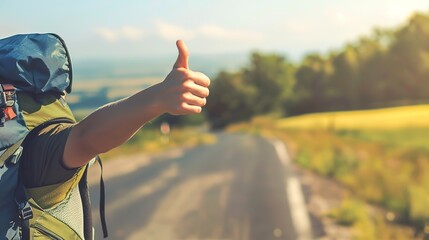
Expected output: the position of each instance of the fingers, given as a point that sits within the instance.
(182, 58)
(200, 79)
(197, 77)
(191, 99)
(190, 109)
(195, 82)
(195, 89)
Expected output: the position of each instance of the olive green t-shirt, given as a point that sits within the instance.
(42, 159)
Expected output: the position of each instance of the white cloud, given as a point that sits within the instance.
(340, 18)
(173, 32)
(107, 34)
(129, 33)
(213, 31)
(296, 27)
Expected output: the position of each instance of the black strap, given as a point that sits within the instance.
(86, 204)
(25, 211)
(102, 200)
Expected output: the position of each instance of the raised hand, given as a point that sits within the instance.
(184, 91)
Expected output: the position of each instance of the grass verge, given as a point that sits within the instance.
(387, 168)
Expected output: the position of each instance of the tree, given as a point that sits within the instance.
(408, 58)
(310, 88)
(273, 78)
(230, 100)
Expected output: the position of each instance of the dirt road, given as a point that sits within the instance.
(233, 189)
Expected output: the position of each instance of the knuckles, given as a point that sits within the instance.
(189, 87)
(182, 97)
(184, 73)
(197, 77)
(203, 79)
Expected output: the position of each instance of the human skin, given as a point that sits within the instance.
(182, 92)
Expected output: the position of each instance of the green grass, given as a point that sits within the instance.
(407, 138)
(349, 212)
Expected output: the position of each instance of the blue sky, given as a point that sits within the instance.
(148, 28)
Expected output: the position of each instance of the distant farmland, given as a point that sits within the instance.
(91, 94)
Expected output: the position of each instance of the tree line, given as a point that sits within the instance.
(389, 67)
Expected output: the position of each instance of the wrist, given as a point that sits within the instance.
(155, 99)
(148, 103)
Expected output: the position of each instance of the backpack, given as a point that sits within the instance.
(35, 72)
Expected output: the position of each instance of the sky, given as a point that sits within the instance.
(106, 29)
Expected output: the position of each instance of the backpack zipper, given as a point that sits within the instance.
(47, 232)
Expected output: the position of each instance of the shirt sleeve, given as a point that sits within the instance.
(42, 159)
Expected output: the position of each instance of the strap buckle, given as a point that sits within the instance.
(25, 211)
(16, 155)
(8, 95)
(7, 100)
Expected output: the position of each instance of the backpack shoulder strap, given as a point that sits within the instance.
(21, 199)
(15, 149)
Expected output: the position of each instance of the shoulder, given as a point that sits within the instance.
(42, 159)
(53, 135)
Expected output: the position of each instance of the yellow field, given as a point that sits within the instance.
(387, 118)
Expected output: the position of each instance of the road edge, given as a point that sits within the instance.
(294, 194)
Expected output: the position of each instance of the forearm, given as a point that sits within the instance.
(115, 123)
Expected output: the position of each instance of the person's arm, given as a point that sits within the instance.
(182, 92)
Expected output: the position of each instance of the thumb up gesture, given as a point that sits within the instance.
(183, 90)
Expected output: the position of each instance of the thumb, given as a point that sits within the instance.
(182, 59)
